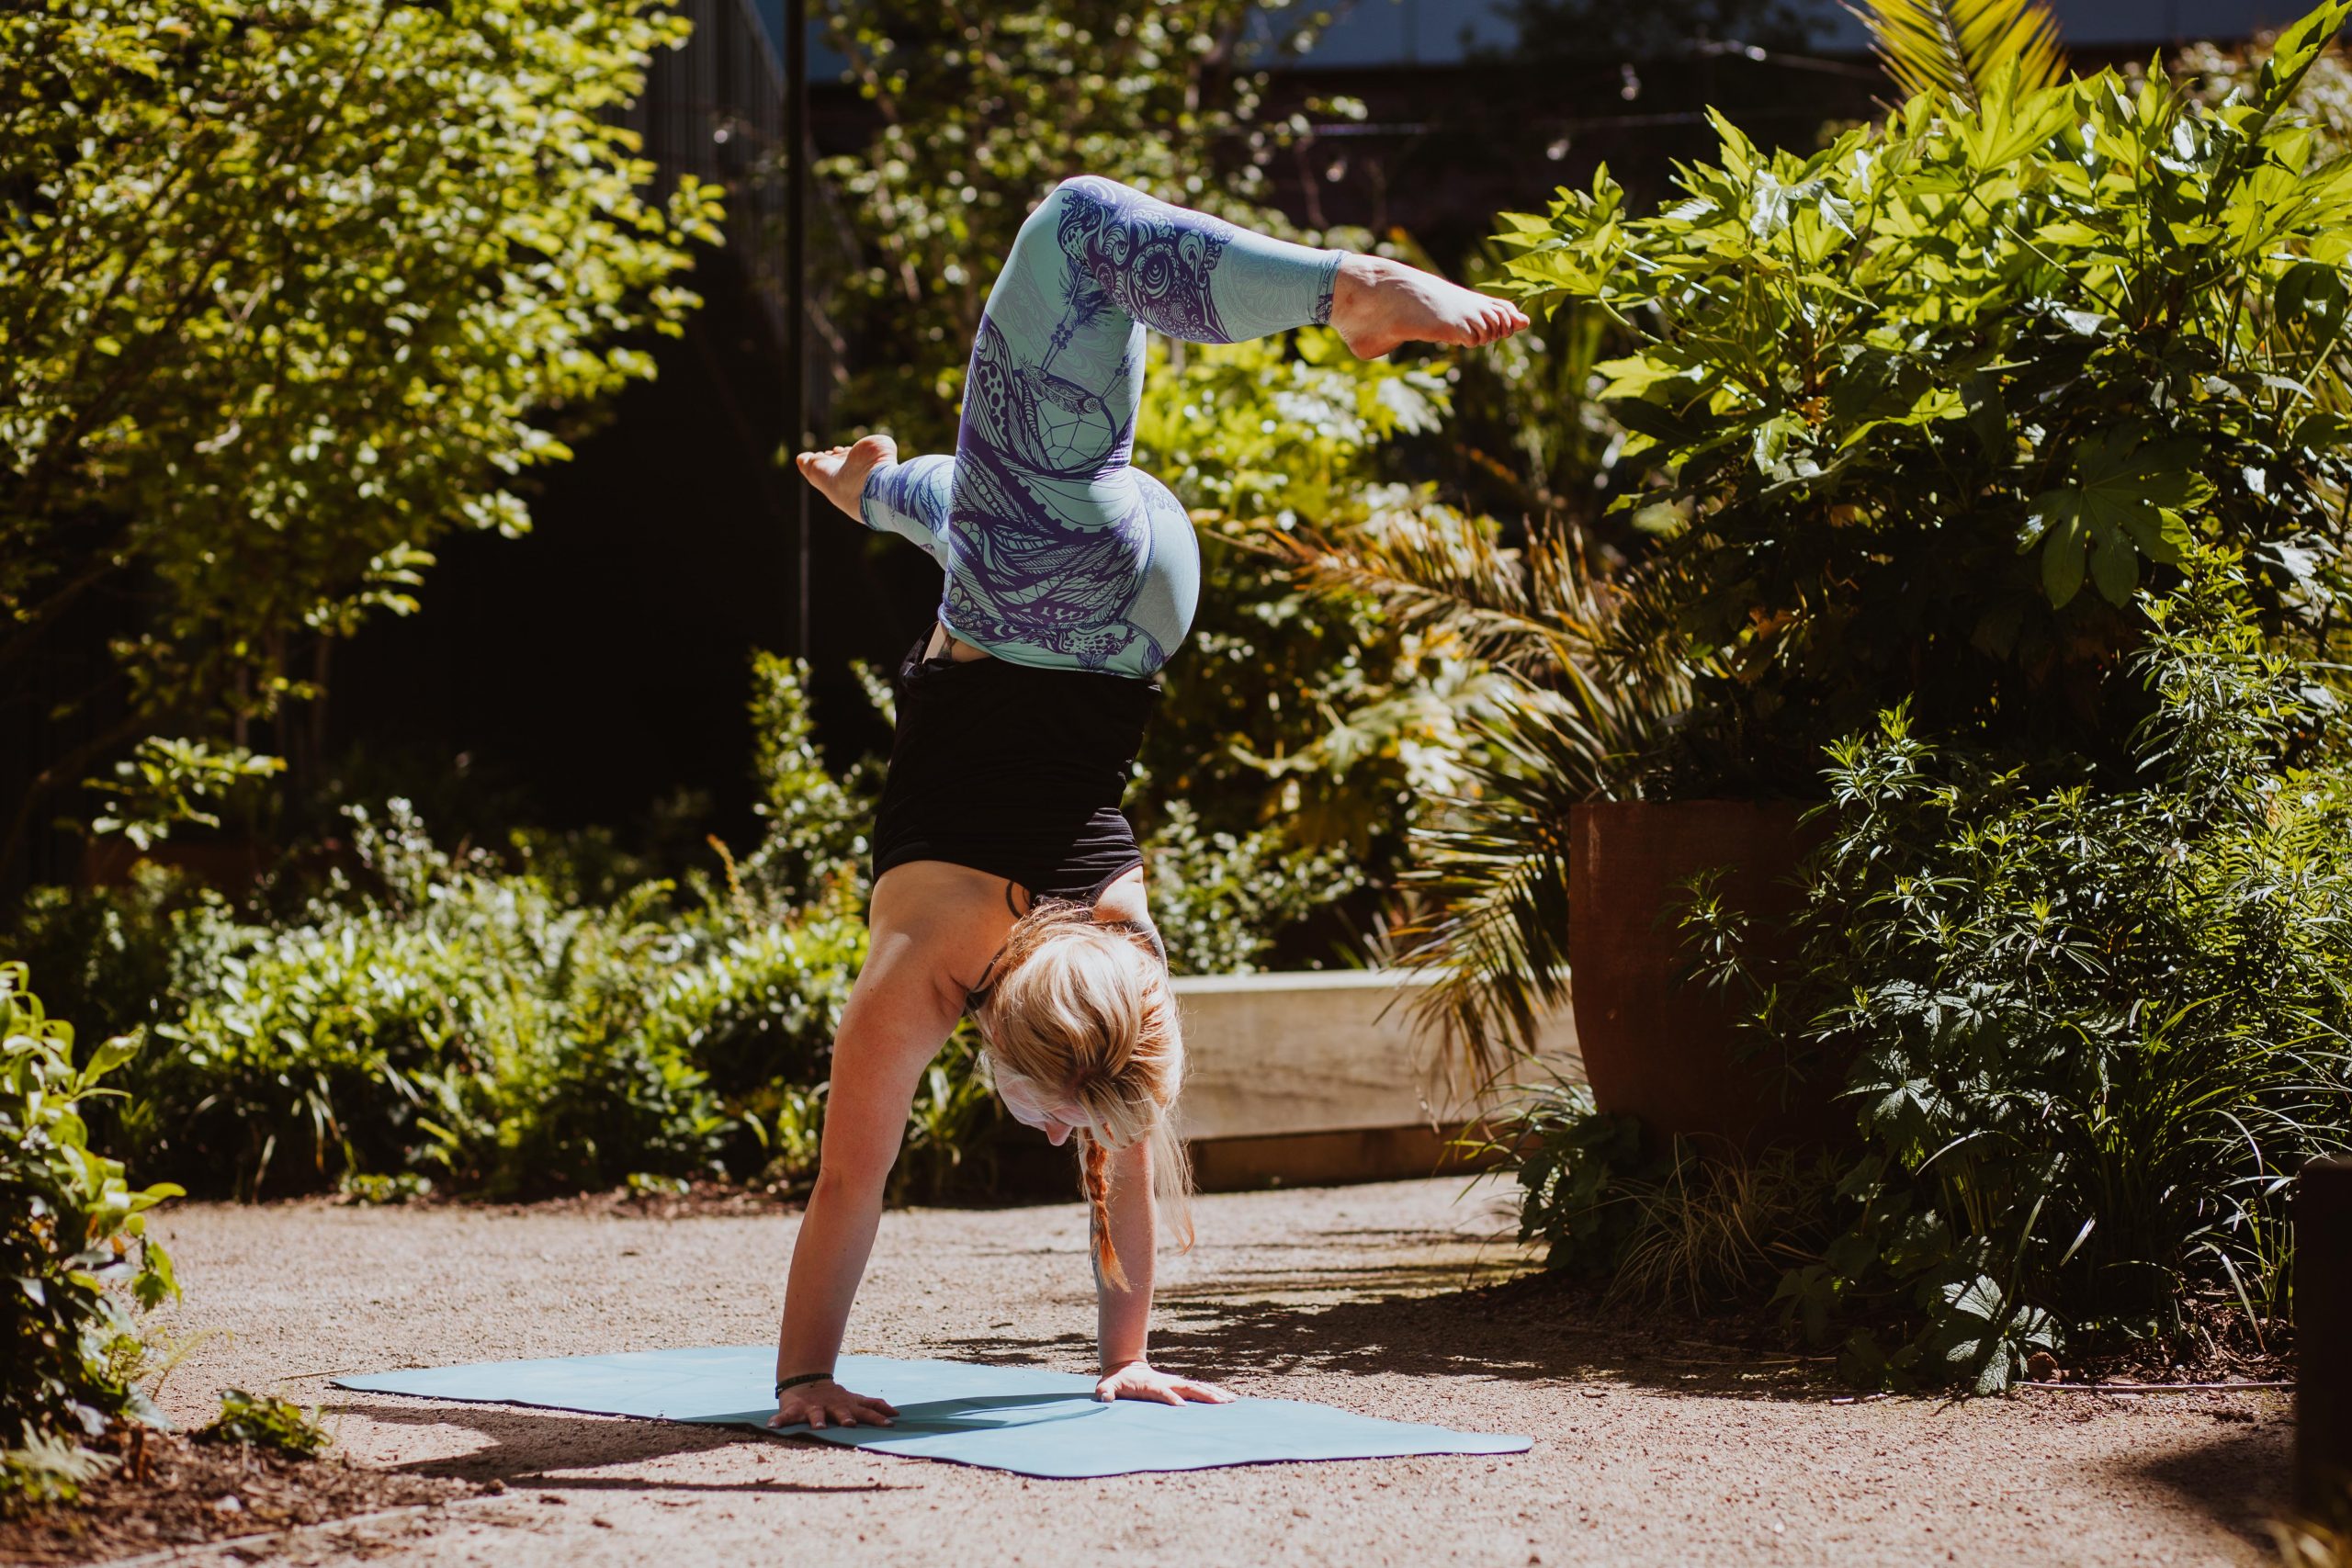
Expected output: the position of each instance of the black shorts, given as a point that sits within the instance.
(1015, 771)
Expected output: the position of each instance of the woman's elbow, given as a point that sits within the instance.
(851, 1175)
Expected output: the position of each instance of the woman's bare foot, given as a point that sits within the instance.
(1377, 303)
(841, 471)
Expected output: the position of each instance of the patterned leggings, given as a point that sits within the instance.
(1059, 551)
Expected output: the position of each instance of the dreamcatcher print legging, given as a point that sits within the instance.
(1057, 550)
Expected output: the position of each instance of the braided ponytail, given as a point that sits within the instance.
(1094, 1172)
(1083, 1009)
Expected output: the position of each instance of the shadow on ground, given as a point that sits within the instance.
(1417, 1321)
(543, 1449)
(2237, 1478)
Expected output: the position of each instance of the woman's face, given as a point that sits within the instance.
(1033, 1106)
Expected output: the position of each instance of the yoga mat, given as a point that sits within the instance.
(1015, 1419)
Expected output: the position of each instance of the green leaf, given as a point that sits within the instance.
(1663, 519)
(1636, 376)
(1770, 441)
(2115, 562)
(2126, 501)
(2162, 537)
(1987, 415)
(1960, 48)
(156, 1283)
(2062, 559)
(109, 1056)
(2299, 47)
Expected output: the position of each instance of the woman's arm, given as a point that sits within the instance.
(1122, 1318)
(901, 1010)
(909, 499)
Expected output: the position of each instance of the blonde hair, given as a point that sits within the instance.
(1083, 1009)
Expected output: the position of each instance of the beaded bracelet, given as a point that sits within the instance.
(782, 1384)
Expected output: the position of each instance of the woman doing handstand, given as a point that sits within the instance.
(1007, 882)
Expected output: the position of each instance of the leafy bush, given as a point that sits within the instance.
(1219, 900)
(235, 273)
(1662, 1225)
(266, 1421)
(71, 1230)
(437, 1015)
(448, 1016)
(1897, 403)
(445, 1015)
(2090, 1033)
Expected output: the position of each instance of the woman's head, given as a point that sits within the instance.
(1082, 1037)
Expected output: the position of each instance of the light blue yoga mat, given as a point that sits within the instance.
(1017, 1418)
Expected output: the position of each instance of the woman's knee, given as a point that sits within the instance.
(1041, 231)
(1081, 190)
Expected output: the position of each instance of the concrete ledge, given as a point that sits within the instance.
(1321, 1077)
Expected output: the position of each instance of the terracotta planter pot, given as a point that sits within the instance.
(1656, 1047)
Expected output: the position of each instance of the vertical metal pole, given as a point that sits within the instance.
(2323, 1344)
(796, 259)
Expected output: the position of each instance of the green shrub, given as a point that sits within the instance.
(817, 822)
(954, 1130)
(221, 336)
(104, 955)
(1659, 1223)
(266, 1421)
(447, 1016)
(755, 1009)
(1220, 900)
(72, 1233)
(2089, 1034)
(1897, 404)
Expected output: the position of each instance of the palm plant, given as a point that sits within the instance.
(1958, 47)
(1492, 865)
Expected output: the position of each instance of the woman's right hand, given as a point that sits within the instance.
(829, 1404)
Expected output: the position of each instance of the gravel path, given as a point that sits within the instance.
(1647, 1450)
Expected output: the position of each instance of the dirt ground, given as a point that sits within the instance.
(1650, 1448)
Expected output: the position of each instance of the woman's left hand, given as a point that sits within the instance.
(1141, 1380)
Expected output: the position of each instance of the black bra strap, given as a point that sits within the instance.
(979, 993)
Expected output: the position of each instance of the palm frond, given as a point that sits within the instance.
(1534, 611)
(1493, 864)
(1961, 46)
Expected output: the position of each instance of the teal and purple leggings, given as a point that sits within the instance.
(1059, 551)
